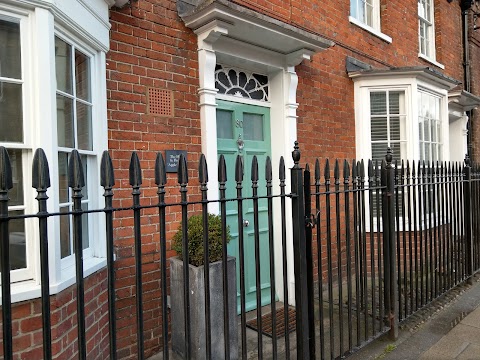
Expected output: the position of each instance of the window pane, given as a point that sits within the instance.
(396, 153)
(65, 122)
(10, 50)
(394, 102)
(379, 150)
(253, 127)
(395, 128)
(84, 126)
(82, 76)
(421, 8)
(426, 132)
(63, 176)
(63, 65)
(427, 151)
(361, 10)
(428, 10)
(11, 113)
(378, 103)
(379, 128)
(65, 246)
(369, 13)
(354, 8)
(16, 194)
(16, 230)
(224, 124)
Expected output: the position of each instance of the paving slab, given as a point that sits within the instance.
(472, 352)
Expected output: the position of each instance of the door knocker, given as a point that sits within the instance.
(240, 143)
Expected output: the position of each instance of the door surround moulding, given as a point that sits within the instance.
(234, 37)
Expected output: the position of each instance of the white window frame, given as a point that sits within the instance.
(402, 114)
(25, 146)
(86, 26)
(439, 140)
(375, 27)
(430, 49)
(93, 156)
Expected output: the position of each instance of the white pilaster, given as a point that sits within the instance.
(43, 69)
(207, 60)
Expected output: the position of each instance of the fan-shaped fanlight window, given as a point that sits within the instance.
(241, 83)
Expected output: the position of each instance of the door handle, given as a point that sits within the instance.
(246, 223)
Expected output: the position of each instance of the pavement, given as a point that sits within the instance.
(447, 329)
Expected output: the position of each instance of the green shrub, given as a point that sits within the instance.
(195, 239)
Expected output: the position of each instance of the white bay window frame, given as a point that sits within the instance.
(86, 26)
(25, 146)
(411, 86)
(412, 82)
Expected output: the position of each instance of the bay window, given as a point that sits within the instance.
(53, 96)
(405, 109)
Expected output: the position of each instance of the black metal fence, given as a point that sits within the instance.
(372, 244)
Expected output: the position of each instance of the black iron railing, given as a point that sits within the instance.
(436, 241)
(372, 244)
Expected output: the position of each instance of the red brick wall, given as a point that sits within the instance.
(150, 47)
(27, 323)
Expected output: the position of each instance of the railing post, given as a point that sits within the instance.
(300, 258)
(6, 184)
(41, 182)
(467, 198)
(135, 180)
(107, 181)
(76, 181)
(389, 247)
(309, 253)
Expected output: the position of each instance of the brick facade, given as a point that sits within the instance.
(150, 47)
(27, 323)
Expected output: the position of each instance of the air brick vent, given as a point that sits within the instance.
(160, 102)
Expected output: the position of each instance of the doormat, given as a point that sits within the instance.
(267, 328)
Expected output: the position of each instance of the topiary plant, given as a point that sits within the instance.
(195, 239)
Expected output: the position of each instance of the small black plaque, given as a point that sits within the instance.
(172, 159)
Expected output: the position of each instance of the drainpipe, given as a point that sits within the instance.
(466, 5)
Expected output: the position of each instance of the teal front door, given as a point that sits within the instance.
(245, 130)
